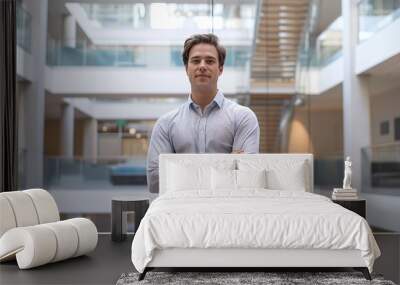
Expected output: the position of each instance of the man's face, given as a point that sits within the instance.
(203, 67)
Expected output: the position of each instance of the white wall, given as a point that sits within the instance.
(109, 36)
(309, 81)
(323, 137)
(84, 81)
(128, 110)
(34, 95)
(383, 211)
(331, 75)
(24, 65)
(133, 111)
(384, 107)
(368, 54)
(318, 80)
(380, 47)
(109, 145)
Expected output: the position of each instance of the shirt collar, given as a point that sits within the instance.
(218, 98)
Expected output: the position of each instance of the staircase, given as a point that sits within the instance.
(268, 110)
(273, 67)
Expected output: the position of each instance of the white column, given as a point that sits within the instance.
(34, 96)
(90, 139)
(67, 131)
(356, 108)
(69, 31)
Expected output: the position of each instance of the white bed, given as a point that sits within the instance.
(247, 210)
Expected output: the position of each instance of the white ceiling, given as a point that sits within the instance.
(53, 108)
(329, 10)
(57, 9)
(329, 100)
(385, 77)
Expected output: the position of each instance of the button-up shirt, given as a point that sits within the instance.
(222, 127)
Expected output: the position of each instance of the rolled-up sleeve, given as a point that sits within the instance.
(247, 134)
(159, 143)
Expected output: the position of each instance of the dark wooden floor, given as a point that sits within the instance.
(110, 259)
(102, 266)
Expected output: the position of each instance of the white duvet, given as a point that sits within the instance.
(253, 218)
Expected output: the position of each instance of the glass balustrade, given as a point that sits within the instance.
(24, 30)
(326, 47)
(318, 51)
(329, 43)
(111, 172)
(328, 172)
(381, 169)
(102, 172)
(375, 15)
(22, 167)
(172, 15)
(83, 54)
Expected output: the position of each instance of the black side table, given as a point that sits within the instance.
(358, 206)
(121, 206)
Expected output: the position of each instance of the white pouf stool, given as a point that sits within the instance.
(31, 230)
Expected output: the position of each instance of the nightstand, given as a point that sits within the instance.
(121, 206)
(358, 206)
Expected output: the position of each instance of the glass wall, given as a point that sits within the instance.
(329, 43)
(111, 131)
(150, 36)
(318, 51)
(133, 35)
(24, 32)
(173, 16)
(320, 109)
(381, 169)
(85, 54)
(24, 42)
(318, 118)
(375, 15)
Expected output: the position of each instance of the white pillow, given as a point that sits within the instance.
(226, 179)
(293, 180)
(223, 179)
(251, 178)
(183, 177)
(186, 174)
(291, 174)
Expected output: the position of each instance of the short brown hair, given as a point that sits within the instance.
(203, 39)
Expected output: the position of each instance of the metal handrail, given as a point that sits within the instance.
(381, 168)
(383, 145)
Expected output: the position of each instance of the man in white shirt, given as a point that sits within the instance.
(207, 122)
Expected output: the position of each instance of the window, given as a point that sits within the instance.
(397, 129)
(384, 128)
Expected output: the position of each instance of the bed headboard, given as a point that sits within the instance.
(213, 158)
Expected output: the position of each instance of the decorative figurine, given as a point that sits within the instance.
(347, 174)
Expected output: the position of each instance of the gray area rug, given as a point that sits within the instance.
(229, 278)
